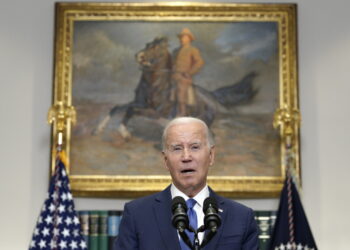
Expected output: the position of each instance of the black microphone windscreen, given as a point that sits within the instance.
(176, 201)
(209, 201)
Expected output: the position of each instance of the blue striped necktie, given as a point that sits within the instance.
(192, 216)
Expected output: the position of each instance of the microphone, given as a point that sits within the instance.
(212, 220)
(180, 218)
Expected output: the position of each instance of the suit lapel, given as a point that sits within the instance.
(163, 214)
(223, 213)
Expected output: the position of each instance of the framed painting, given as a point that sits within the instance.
(115, 75)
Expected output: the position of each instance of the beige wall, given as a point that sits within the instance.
(26, 61)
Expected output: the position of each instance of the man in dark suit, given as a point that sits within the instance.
(188, 151)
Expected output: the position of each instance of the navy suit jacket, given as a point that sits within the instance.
(146, 225)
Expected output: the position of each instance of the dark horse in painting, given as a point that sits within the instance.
(155, 88)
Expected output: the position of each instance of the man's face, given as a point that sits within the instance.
(185, 40)
(187, 156)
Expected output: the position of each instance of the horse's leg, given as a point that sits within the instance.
(130, 111)
(101, 125)
(122, 129)
(124, 132)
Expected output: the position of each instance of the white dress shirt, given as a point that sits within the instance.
(200, 197)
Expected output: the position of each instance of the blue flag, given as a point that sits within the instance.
(58, 226)
(291, 229)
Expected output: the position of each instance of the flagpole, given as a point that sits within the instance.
(288, 119)
(61, 116)
(55, 173)
(290, 208)
(59, 141)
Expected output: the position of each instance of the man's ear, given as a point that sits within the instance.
(211, 155)
(165, 159)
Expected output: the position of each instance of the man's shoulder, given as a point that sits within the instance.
(238, 205)
(143, 202)
(233, 205)
(189, 47)
(193, 48)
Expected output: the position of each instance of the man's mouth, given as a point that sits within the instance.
(188, 170)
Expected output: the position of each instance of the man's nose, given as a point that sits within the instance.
(186, 154)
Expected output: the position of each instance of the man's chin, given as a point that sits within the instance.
(190, 187)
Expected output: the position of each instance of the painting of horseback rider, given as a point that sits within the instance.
(128, 85)
(158, 68)
(167, 89)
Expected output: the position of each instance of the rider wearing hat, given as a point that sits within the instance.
(186, 63)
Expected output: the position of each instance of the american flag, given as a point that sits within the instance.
(58, 226)
(292, 230)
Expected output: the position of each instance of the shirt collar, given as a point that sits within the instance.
(200, 197)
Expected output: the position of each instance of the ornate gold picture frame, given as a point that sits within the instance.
(103, 93)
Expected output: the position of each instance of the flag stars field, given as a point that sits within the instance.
(61, 208)
(63, 244)
(83, 244)
(59, 220)
(65, 232)
(42, 244)
(58, 226)
(56, 232)
(293, 247)
(76, 220)
(64, 197)
(52, 207)
(45, 231)
(68, 221)
(48, 219)
(53, 244)
(73, 245)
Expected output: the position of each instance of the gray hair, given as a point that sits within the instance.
(187, 119)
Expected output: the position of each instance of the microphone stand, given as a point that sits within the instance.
(207, 237)
(196, 241)
(196, 245)
(185, 238)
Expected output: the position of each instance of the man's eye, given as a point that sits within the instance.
(177, 148)
(195, 147)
